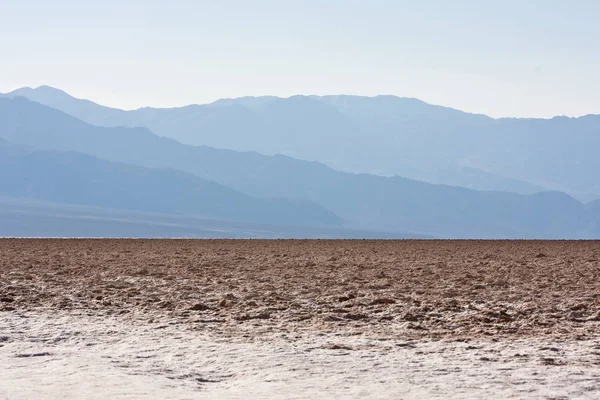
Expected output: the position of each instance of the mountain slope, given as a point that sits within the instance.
(27, 218)
(74, 178)
(365, 201)
(85, 110)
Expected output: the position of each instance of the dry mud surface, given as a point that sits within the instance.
(299, 319)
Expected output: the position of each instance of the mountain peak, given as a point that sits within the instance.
(41, 93)
(50, 89)
(26, 89)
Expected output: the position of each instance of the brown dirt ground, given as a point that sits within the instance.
(248, 288)
(237, 319)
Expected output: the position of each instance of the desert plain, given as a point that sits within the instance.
(131, 319)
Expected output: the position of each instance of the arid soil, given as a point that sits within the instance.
(300, 319)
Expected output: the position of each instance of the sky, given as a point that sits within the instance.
(501, 58)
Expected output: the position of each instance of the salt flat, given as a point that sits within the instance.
(299, 319)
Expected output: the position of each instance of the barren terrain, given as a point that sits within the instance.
(299, 319)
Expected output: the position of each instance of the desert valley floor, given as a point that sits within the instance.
(299, 319)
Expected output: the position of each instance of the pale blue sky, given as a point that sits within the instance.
(502, 58)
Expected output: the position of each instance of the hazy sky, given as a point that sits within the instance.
(502, 58)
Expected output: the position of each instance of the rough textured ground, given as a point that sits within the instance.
(299, 319)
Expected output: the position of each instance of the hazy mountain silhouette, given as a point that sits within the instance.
(85, 110)
(81, 179)
(384, 135)
(364, 201)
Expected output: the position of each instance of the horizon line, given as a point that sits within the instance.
(291, 96)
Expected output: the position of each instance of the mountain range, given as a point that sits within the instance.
(81, 179)
(296, 191)
(382, 135)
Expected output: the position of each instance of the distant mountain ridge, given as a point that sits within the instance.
(85, 109)
(80, 179)
(364, 201)
(384, 135)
